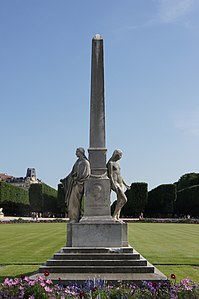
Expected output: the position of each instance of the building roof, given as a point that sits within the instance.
(4, 176)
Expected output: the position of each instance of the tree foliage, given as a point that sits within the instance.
(136, 200)
(61, 206)
(43, 198)
(188, 202)
(14, 200)
(188, 180)
(161, 201)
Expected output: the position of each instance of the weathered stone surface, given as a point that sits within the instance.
(97, 199)
(98, 235)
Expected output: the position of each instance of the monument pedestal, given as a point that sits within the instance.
(97, 234)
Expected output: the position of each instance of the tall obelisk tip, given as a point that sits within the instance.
(97, 37)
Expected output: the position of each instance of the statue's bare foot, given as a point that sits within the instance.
(118, 220)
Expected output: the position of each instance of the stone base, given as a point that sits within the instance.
(97, 235)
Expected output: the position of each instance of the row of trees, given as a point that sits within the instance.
(13, 200)
(168, 200)
(40, 199)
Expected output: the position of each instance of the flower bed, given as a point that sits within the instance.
(128, 220)
(39, 220)
(43, 288)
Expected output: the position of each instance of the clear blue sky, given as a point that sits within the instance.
(151, 85)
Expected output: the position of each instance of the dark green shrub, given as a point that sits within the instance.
(49, 199)
(161, 201)
(188, 180)
(36, 198)
(188, 202)
(43, 198)
(61, 206)
(136, 200)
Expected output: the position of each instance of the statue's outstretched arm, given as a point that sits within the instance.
(125, 184)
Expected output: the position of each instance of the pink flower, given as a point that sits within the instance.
(31, 282)
(188, 288)
(7, 282)
(41, 278)
(186, 281)
(49, 281)
(47, 289)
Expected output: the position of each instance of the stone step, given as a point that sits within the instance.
(97, 269)
(93, 256)
(96, 250)
(110, 278)
(99, 262)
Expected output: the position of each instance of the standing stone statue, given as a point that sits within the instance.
(74, 185)
(117, 182)
(1, 213)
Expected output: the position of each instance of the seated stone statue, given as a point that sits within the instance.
(117, 182)
(73, 185)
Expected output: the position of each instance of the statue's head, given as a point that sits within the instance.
(117, 154)
(80, 152)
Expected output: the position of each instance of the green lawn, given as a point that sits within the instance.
(173, 248)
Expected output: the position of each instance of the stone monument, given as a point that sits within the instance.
(97, 223)
(97, 245)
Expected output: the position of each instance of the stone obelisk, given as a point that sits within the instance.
(97, 187)
(97, 228)
(97, 149)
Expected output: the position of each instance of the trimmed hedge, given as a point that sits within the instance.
(43, 198)
(136, 200)
(187, 180)
(187, 202)
(161, 201)
(61, 206)
(14, 200)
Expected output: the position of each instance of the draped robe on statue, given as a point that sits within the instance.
(74, 187)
